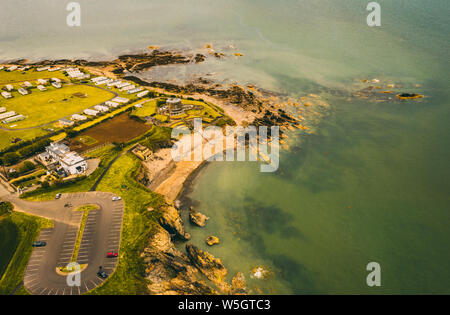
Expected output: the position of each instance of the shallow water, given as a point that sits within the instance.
(370, 185)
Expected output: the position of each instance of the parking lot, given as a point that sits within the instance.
(101, 235)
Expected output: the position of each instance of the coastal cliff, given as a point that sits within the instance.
(171, 272)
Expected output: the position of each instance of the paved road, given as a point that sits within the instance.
(101, 234)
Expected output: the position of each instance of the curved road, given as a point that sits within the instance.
(101, 234)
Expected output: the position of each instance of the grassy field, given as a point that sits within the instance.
(26, 229)
(9, 239)
(86, 140)
(147, 109)
(43, 107)
(30, 75)
(6, 137)
(208, 111)
(137, 226)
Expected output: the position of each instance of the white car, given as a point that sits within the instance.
(116, 198)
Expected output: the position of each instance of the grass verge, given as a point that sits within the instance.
(28, 228)
(138, 224)
(85, 209)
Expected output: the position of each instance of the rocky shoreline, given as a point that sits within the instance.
(169, 271)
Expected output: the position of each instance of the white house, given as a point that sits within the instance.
(43, 68)
(71, 162)
(7, 115)
(12, 68)
(128, 88)
(111, 104)
(138, 89)
(121, 100)
(142, 94)
(41, 88)
(57, 85)
(78, 117)
(9, 87)
(42, 81)
(98, 79)
(114, 83)
(13, 119)
(122, 85)
(65, 122)
(2, 109)
(22, 91)
(2, 67)
(105, 81)
(27, 84)
(101, 108)
(6, 95)
(75, 73)
(56, 80)
(90, 112)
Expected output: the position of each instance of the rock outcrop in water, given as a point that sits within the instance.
(130, 62)
(238, 284)
(169, 271)
(210, 266)
(197, 218)
(212, 240)
(172, 222)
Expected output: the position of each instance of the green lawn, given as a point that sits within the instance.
(43, 107)
(24, 233)
(147, 109)
(137, 226)
(209, 111)
(7, 136)
(9, 239)
(30, 75)
(86, 140)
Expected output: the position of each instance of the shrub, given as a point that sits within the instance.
(10, 158)
(6, 207)
(26, 167)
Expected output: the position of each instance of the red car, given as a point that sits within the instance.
(111, 255)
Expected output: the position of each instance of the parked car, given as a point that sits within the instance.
(58, 196)
(111, 255)
(39, 244)
(116, 198)
(102, 274)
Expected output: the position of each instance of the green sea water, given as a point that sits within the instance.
(370, 184)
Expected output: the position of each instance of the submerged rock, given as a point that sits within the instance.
(409, 96)
(212, 240)
(260, 272)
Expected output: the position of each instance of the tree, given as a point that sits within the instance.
(26, 167)
(45, 184)
(10, 158)
(5, 207)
